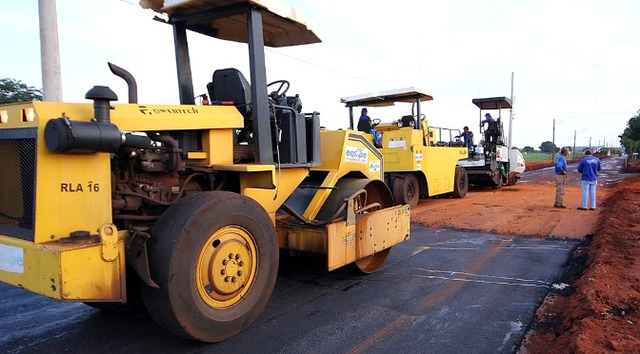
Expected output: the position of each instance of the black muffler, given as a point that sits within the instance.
(99, 135)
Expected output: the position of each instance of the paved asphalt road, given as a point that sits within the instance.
(612, 172)
(443, 291)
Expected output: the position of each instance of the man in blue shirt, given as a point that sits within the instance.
(488, 119)
(467, 137)
(561, 177)
(364, 123)
(589, 167)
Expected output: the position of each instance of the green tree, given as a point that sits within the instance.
(13, 91)
(528, 149)
(548, 146)
(630, 138)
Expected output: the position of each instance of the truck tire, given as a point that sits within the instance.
(214, 256)
(461, 183)
(406, 190)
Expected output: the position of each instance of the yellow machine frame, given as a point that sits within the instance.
(189, 203)
(417, 150)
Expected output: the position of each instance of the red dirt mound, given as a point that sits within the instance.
(601, 312)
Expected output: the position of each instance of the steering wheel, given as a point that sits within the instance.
(281, 90)
(375, 122)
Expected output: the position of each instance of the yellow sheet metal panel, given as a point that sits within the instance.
(379, 230)
(29, 266)
(322, 195)
(73, 193)
(73, 190)
(133, 116)
(342, 245)
(17, 115)
(63, 270)
(86, 275)
(344, 152)
(438, 166)
(304, 239)
(138, 117)
(350, 151)
(270, 190)
(331, 147)
(404, 151)
(218, 147)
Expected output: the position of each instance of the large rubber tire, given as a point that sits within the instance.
(406, 190)
(214, 256)
(460, 183)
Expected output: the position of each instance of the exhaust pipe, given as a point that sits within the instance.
(128, 78)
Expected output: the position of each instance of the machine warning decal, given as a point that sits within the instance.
(151, 111)
(356, 154)
(419, 166)
(419, 157)
(374, 166)
(11, 259)
(398, 144)
(79, 187)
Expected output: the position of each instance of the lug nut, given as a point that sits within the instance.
(224, 262)
(237, 256)
(226, 279)
(233, 280)
(239, 273)
(223, 272)
(230, 255)
(241, 263)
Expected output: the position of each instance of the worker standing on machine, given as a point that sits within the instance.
(364, 123)
(487, 119)
(467, 137)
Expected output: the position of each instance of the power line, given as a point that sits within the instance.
(130, 3)
(328, 68)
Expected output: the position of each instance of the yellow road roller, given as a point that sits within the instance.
(183, 209)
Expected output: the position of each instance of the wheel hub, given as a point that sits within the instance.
(226, 267)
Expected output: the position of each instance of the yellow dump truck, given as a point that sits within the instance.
(183, 208)
(419, 160)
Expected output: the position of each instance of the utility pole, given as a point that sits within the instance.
(589, 143)
(509, 144)
(553, 141)
(49, 51)
(574, 144)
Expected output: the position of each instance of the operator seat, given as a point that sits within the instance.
(492, 134)
(408, 121)
(230, 85)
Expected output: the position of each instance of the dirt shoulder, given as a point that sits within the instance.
(599, 310)
(523, 209)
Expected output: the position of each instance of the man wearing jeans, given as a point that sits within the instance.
(589, 167)
(561, 177)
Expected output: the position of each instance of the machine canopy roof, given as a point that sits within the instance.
(492, 102)
(227, 19)
(387, 98)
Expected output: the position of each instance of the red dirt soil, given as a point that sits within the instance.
(600, 310)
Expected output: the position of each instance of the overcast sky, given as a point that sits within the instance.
(573, 61)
